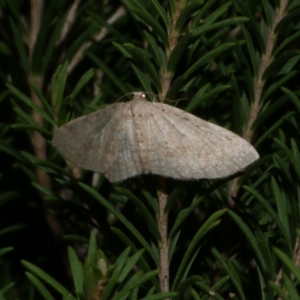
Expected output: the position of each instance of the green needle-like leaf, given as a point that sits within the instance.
(39, 286)
(119, 216)
(40, 273)
(31, 104)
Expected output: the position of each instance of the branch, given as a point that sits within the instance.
(162, 219)
(35, 23)
(266, 61)
(173, 40)
(100, 36)
(38, 142)
(69, 22)
(258, 88)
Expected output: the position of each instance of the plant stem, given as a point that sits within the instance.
(120, 12)
(258, 88)
(162, 219)
(38, 141)
(173, 40)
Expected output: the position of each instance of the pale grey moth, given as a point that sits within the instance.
(139, 137)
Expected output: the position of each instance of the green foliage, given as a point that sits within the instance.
(95, 278)
(237, 63)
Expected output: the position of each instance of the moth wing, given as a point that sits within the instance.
(126, 161)
(98, 141)
(183, 146)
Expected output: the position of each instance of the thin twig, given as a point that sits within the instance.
(163, 244)
(173, 40)
(100, 36)
(69, 22)
(258, 88)
(266, 61)
(35, 22)
(162, 196)
(38, 141)
(296, 260)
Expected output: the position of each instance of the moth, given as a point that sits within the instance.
(140, 137)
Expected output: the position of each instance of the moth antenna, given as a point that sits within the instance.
(123, 96)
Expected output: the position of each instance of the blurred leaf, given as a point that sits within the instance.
(145, 213)
(292, 16)
(233, 277)
(6, 288)
(48, 167)
(30, 103)
(282, 294)
(210, 223)
(269, 111)
(194, 103)
(39, 129)
(39, 286)
(7, 196)
(186, 13)
(188, 38)
(130, 264)
(143, 78)
(136, 7)
(113, 280)
(157, 51)
(143, 59)
(221, 24)
(161, 296)
(281, 207)
(119, 216)
(142, 262)
(136, 283)
(289, 285)
(278, 85)
(123, 50)
(217, 13)
(288, 39)
(115, 79)
(293, 97)
(250, 237)
(252, 52)
(184, 281)
(173, 245)
(3, 251)
(58, 85)
(20, 46)
(10, 229)
(161, 12)
(241, 6)
(172, 198)
(279, 62)
(290, 156)
(274, 127)
(77, 271)
(205, 59)
(82, 82)
(182, 216)
(51, 43)
(269, 11)
(288, 263)
(45, 103)
(208, 290)
(289, 65)
(41, 274)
